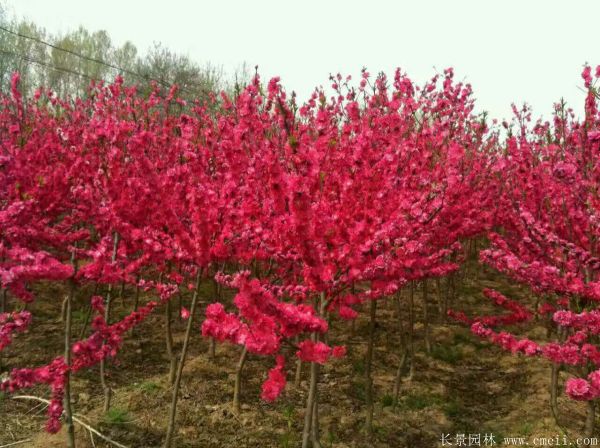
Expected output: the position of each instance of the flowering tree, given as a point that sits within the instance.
(546, 237)
(307, 212)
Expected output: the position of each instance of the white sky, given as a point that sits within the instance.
(510, 51)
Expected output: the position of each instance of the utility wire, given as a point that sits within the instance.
(88, 58)
(43, 64)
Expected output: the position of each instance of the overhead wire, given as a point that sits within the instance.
(88, 58)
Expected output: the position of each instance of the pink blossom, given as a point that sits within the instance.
(275, 383)
(310, 351)
(578, 389)
(339, 351)
(185, 313)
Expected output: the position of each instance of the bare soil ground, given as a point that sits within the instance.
(465, 386)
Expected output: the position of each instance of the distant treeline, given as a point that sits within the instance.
(66, 63)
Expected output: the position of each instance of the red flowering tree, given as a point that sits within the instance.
(546, 237)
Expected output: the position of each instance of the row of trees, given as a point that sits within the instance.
(307, 211)
(66, 63)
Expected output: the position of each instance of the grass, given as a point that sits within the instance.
(453, 409)
(417, 402)
(526, 429)
(381, 431)
(387, 400)
(357, 390)
(287, 440)
(79, 315)
(330, 439)
(117, 416)
(149, 386)
(450, 354)
(468, 338)
(462, 338)
(358, 366)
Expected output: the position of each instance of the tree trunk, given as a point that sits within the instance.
(122, 293)
(411, 329)
(449, 292)
(554, 391)
(67, 391)
(175, 396)
(426, 317)
(212, 344)
(3, 309)
(368, 366)
(238, 381)
(314, 430)
(310, 405)
(180, 296)
(440, 299)
(310, 432)
(105, 387)
(169, 342)
(3, 304)
(298, 373)
(88, 315)
(403, 354)
(554, 373)
(63, 310)
(136, 302)
(590, 419)
(212, 348)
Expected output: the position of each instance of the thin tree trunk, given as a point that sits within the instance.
(310, 432)
(67, 388)
(590, 419)
(3, 304)
(440, 299)
(403, 349)
(411, 329)
(368, 367)
(86, 321)
(169, 342)
(310, 405)
(426, 317)
(122, 293)
(449, 292)
(3, 309)
(180, 296)
(212, 344)
(298, 373)
(327, 318)
(212, 348)
(238, 381)
(175, 389)
(465, 265)
(63, 309)
(314, 430)
(136, 302)
(554, 373)
(554, 391)
(105, 387)
(476, 258)
(88, 315)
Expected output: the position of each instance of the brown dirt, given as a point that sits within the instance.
(465, 387)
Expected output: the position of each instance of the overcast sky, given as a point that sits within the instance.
(510, 51)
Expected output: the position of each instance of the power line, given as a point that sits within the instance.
(43, 64)
(91, 59)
